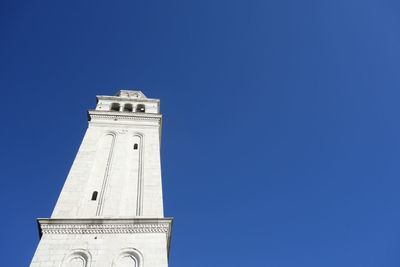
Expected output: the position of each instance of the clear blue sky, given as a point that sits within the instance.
(281, 131)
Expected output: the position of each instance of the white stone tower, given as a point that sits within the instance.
(110, 210)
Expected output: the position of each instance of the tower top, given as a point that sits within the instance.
(128, 101)
(130, 94)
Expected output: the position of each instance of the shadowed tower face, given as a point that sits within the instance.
(110, 210)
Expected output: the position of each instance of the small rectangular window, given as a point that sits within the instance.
(94, 195)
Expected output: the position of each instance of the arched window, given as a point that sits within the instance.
(115, 107)
(77, 258)
(140, 108)
(128, 108)
(129, 257)
(135, 146)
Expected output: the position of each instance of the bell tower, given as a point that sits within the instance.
(110, 210)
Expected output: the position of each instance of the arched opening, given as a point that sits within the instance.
(135, 146)
(128, 108)
(140, 108)
(115, 107)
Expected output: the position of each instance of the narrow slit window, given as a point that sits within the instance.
(94, 195)
(135, 146)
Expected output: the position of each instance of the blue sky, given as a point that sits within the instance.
(281, 121)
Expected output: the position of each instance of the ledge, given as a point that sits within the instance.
(123, 116)
(106, 226)
(125, 98)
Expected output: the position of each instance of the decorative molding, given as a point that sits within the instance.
(130, 94)
(107, 226)
(103, 228)
(115, 116)
(125, 98)
(118, 117)
(96, 226)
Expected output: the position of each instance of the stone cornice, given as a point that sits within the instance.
(59, 226)
(123, 116)
(122, 98)
(104, 226)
